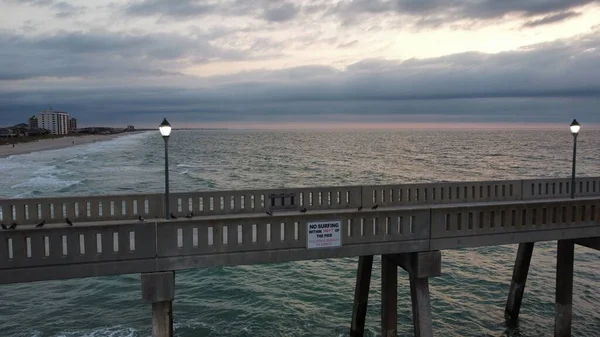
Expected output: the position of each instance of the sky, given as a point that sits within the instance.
(305, 63)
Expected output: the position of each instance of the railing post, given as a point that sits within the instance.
(522, 189)
(159, 290)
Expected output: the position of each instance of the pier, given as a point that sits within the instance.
(409, 225)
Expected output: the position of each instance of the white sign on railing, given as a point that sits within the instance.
(324, 234)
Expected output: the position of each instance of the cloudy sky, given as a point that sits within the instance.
(252, 63)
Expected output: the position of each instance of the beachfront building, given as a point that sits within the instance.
(33, 123)
(6, 133)
(72, 125)
(57, 122)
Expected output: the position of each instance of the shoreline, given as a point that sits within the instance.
(57, 143)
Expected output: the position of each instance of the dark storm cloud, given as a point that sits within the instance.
(453, 13)
(427, 12)
(273, 11)
(280, 13)
(65, 10)
(481, 9)
(551, 19)
(172, 8)
(549, 80)
(41, 3)
(62, 9)
(103, 54)
(565, 68)
(148, 107)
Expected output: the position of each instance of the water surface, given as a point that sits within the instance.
(307, 298)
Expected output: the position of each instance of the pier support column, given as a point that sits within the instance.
(421, 306)
(389, 296)
(159, 290)
(361, 295)
(517, 284)
(420, 267)
(564, 288)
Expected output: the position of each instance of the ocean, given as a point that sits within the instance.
(307, 298)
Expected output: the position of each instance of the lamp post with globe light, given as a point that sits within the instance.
(575, 131)
(165, 131)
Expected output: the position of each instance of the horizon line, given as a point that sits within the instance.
(376, 126)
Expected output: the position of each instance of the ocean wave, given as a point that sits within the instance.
(28, 194)
(187, 166)
(84, 159)
(47, 170)
(8, 165)
(46, 182)
(119, 142)
(116, 331)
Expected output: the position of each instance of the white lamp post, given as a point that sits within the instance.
(165, 131)
(575, 131)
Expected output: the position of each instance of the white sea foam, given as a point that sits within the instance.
(84, 159)
(116, 331)
(115, 144)
(57, 171)
(46, 182)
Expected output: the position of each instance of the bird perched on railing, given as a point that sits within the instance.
(141, 219)
(303, 210)
(173, 216)
(69, 222)
(13, 226)
(41, 224)
(4, 227)
(190, 215)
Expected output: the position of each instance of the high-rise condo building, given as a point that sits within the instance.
(57, 122)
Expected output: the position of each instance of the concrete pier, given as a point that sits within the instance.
(389, 296)
(517, 284)
(407, 224)
(361, 295)
(564, 288)
(158, 289)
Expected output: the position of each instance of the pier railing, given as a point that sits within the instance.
(231, 227)
(129, 207)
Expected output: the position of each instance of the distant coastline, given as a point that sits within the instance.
(55, 143)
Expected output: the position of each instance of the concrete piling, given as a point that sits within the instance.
(361, 295)
(420, 267)
(517, 284)
(389, 296)
(162, 319)
(158, 289)
(564, 288)
(421, 306)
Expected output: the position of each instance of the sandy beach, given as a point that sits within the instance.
(54, 144)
